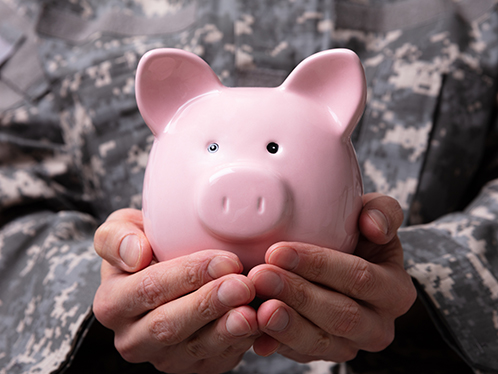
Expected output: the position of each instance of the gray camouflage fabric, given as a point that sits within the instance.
(73, 149)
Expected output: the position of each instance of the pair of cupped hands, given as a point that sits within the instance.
(192, 314)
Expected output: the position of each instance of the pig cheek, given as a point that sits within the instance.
(326, 184)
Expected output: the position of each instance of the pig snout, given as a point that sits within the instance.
(243, 203)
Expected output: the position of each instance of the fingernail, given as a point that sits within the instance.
(237, 324)
(284, 257)
(268, 283)
(278, 321)
(222, 265)
(129, 250)
(379, 219)
(233, 292)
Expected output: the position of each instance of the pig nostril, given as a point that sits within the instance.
(225, 204)
(261, 205)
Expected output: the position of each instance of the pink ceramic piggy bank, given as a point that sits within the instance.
(240, 169)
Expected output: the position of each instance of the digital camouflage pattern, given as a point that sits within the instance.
(73, 148)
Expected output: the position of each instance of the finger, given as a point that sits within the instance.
(265, 345)
(126, 296)
(297, 337)
(384, 286)
(217, 347)
(230, 335)
(380, 218)
(332, 312)
(172, 323)
(121, 241)
(345, 273)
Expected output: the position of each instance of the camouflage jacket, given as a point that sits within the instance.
(73, 146)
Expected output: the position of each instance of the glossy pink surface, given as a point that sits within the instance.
(216, 180)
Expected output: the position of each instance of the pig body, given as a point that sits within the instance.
(240, 169)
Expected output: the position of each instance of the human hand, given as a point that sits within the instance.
(327, 305)
(186, 315)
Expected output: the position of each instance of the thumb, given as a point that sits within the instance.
(380, 218)
(120, 241)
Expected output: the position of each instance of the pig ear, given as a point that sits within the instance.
(336, 79)
(168, 78)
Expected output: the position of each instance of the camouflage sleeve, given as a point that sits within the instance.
(455, 264)
(46, 260)
(48, 269)
(78, 145)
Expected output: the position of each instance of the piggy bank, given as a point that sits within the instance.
(240, 169)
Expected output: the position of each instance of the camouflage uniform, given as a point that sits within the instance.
(73, 148)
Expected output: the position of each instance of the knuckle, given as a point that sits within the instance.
(194, 273)
(320, 346)
(405, 297)
(235, 351)
(410, 297)
(167, 365)
(319, 262)
(104, 310)
(383, 339)
(164, 331)
(362, 281)
(149, 291)
(196, 349)
(207, 367)
(206, 308)
(386, 340)
(299, 300)
(347, 319)
(347, 354)
(126, 350)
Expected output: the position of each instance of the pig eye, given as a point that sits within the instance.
(213, 147)
(272, 147)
